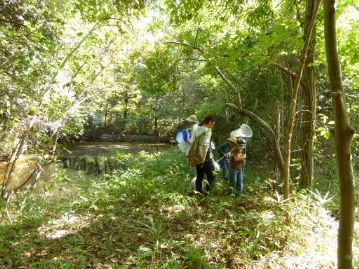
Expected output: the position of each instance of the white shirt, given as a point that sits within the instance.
(205, 141)
(194, 127)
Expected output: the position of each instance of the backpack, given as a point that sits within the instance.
(182, 136)
(194, 156)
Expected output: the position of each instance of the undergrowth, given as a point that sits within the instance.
(144, 216)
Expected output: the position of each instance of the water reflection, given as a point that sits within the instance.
(93, 165)
(96, 158)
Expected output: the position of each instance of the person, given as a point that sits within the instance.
(223, 151)
(204, 135)
(192, 120)
(184, 137)
(236, 166)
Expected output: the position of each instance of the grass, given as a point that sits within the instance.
(143, 217)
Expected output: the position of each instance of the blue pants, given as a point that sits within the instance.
(236, 179)
(224, 163)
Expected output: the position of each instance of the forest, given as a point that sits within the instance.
(93, 93)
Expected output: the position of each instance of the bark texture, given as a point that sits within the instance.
(293, 104)
(343, 138)
(308, 105)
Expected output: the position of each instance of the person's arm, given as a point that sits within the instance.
(192, 129)
(205, 143)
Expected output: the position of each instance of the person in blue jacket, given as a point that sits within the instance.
(184, 137)
(223, 151)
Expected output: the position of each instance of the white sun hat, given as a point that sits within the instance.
(243, 131)
(192, 118)
(232, 139)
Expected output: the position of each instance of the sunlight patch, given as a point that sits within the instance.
(173, 209)
(66, 224)
(317, 249)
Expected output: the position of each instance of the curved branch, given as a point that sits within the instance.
(73, 50)
(285, 70)
(229, 83)
(271, 134)
(35, 171)
(68, 56)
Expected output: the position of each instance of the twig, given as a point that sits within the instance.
(299, 17)
(285, 70)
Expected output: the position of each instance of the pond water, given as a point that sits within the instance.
(81, 160)
(96, 158)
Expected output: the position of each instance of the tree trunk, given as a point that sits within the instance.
(293, 104)
(156, 108)
(105, 117)
(54, 147)
(343, 137)
(11, 164)
(308, 106)
(125, 112)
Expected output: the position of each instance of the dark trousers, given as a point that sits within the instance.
(202, 169)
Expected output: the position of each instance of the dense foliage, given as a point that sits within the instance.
(80, 70)
(117, 68)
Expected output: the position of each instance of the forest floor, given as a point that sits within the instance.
(145, 217)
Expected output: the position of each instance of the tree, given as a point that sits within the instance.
(308, 103)
(293, 103)
(43, 73)
(343, 134)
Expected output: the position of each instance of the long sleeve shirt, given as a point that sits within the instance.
(194, 127)
(238, 158)
(205, 139)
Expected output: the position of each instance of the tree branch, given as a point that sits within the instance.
(194, 59)
(229, 83)
(216, 67)
(268, 130)
(285, 70)
(52, 80)
(185, 44)
(77, 47)
(299, 17)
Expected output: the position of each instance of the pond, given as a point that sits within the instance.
(96, 158)
(81, 160)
